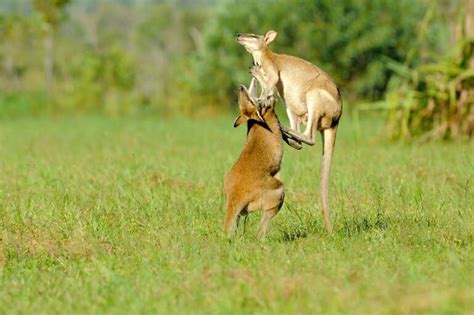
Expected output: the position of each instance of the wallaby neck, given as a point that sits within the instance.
(264, 144)
(271, 125)
(259, 56)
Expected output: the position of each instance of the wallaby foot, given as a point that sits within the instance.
(327, 224)
(271, 206)
(297, 136)
(267, 217)
(291, 141)
(294, 144)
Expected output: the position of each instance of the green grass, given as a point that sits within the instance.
(125, 216)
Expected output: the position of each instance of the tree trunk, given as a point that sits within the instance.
(49, 59)
(468, 92)
(469, 29)
(8, 65)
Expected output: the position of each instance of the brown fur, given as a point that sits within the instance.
(310, 96)
(253, 182)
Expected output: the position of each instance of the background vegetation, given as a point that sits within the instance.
(128, 57)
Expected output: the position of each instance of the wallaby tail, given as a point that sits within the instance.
(329, 139)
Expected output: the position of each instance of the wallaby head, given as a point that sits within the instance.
(248, 106)
(254, 42)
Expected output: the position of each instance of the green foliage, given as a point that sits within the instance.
(51, 10)
(102, 82)
(433, 100)
(349, 39)
(23, 104)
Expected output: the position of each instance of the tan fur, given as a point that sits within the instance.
(310, 96)
(253, 182)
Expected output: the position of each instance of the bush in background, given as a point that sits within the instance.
(435, 100)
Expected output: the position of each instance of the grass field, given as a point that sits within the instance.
(125, 216)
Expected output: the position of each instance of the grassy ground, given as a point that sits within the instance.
(124, 216)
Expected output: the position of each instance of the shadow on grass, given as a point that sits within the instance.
(290, 236)
(306, 224)
(361, 225)
(350, 227)
(302, 230)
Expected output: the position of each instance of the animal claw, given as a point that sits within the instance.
(295, 144)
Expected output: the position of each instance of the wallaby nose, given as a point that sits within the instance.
(241, 88)
(239, 34)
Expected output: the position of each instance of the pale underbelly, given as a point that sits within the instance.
(295, 104)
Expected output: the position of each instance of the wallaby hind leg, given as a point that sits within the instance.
(314, 102)
(271, 207)
(231, 220)
(267, 217)
(294, 120)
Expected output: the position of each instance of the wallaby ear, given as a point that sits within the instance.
(270, 36)
(245, 100)
(248, 110)
(239, 120)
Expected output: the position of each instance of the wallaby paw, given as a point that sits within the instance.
(253, 71)
(268, 102)
(260, 104)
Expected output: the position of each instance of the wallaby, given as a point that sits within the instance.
(253, 182)
(310, 96)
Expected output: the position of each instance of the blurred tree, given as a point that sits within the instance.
(469, 30)
(51, 12)
(467, 92)
(14, 30)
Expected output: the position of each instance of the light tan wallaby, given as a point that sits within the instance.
(253, 182)
(310, 96)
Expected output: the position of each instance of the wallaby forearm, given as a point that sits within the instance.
(272, 79)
